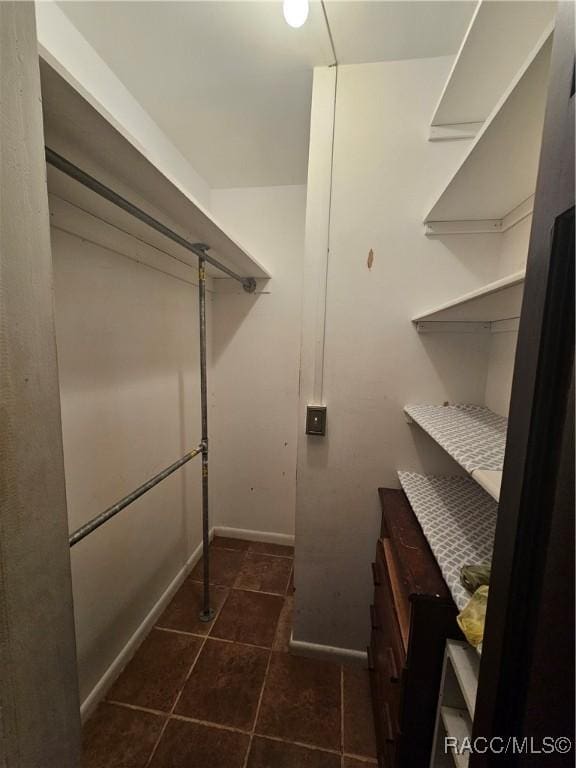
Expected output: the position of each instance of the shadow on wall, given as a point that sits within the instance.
(442, 349)
(431, 457)
(318, 451)
(105, 638)
(477, 254)
(187, 442)
(239, 305)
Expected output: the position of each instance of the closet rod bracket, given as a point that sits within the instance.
(249, 284)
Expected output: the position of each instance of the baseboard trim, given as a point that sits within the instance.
(243, 533)
(327, 652)
(109, 677)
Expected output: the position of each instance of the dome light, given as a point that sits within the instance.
(295, 12)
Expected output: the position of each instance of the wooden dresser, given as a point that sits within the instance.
(412, 615)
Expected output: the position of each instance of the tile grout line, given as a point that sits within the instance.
(217, 614)
(238, 586)
(264, 681)
(245, 553)
(209, 724)
(222, 727)
(254, 552)
(177, 716)
(224, 639)
(239, 571)
(237, 642)
(290, 580)
(179, 632)
(181, 691)
(261, 591)
(163, 730)
(158, 740)
(245, 589)
(136, 707)
(303, 744)
(253, 732)
(257, 715)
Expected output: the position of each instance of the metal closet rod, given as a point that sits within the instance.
(103, 517)
(199, 249)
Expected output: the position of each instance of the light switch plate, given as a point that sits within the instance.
(316, 420)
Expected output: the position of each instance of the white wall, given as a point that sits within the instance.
(385, 175)
(254, 420)
(513, 246)
(127, 338)
(70, 54)
(500, 371)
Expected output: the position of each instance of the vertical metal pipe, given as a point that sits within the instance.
(206, 614)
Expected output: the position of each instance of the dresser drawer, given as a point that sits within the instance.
(411, 616)
(387, 676)
(385, 610)
(400, 597)
(386, 729)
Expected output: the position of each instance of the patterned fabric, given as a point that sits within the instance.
(458, 519)
(473, 435)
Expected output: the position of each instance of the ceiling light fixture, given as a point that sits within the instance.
(295, 12)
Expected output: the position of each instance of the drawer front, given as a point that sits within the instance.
(387, 555)
(386, 613)
(388, 682)
(386, 734)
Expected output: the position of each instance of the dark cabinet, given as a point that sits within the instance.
(412, 615)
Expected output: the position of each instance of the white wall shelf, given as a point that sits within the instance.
(499, 300)
(458, 725)
(472, 435)
(456, 703)
(466, 665)
(490, 480)
(498, 173)
(498, 40)
(80, 133)
(458, 520)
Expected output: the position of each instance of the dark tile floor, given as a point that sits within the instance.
(228, 694)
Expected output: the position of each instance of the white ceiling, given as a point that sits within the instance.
(230, 82)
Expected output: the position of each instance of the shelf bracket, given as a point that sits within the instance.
(452, 326)
(474, 227)
(454, 131)
(481, 226)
